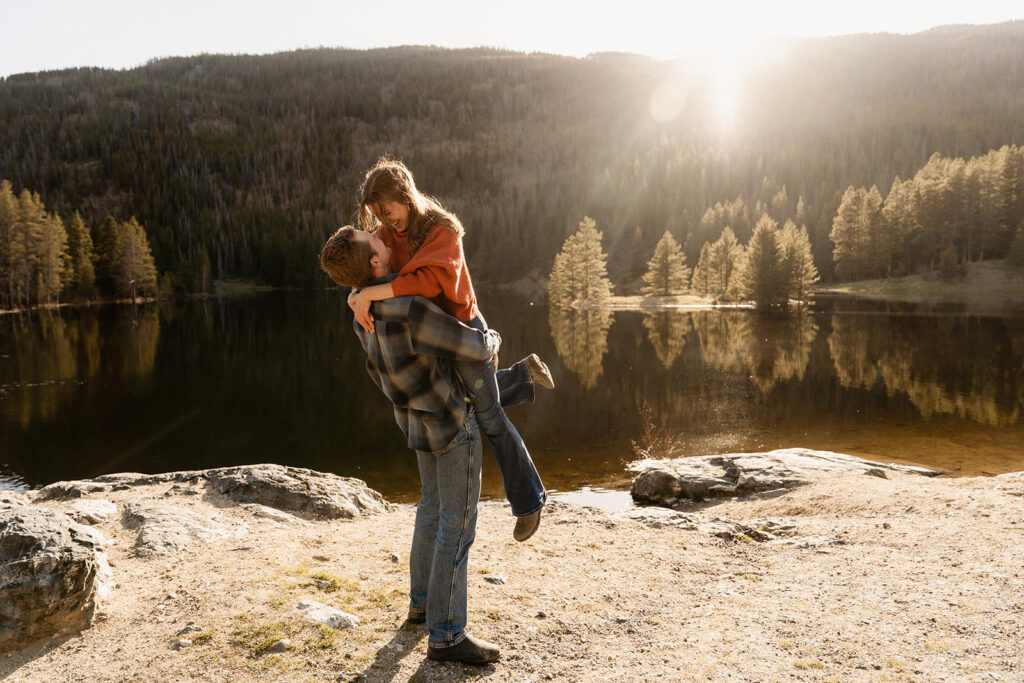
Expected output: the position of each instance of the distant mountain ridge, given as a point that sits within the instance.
(239, 166)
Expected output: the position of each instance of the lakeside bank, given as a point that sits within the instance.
(863, 577)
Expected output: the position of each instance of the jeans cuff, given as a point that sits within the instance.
(539, 507)
(448, 643)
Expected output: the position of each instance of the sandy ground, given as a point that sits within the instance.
(927, 584)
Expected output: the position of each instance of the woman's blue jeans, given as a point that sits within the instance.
(444, 531)
(489, 391)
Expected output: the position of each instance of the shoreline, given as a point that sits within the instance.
(854, 582)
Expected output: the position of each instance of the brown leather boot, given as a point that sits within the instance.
(470, 651)
(526, 526)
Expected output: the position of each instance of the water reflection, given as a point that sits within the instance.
(955, 365)
(667, 331)
(769, 348)
(581, 338)
(281, 378)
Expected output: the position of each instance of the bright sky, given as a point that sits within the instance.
(37, 35)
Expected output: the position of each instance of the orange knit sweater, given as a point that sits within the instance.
(437, 271)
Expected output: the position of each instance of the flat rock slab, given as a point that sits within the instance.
(166, 528)
(299, 490)
(53, 575)
(325, 614)
(765, 530)
(296, 490)
(682, 480)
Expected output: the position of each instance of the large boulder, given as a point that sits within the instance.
(53, 575)
(681, 480)
(298, 490)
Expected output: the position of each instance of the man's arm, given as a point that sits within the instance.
(435, 333)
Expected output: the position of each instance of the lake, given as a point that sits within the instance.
(279, 377)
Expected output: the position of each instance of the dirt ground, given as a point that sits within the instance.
(926, 584)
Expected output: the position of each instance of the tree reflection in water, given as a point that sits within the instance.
(945, 365)
(581, 339)
(667, 329)
(769, 348)
(48, 354)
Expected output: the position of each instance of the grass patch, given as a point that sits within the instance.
(324, 639)
(257, 638)
(202, 638)
(787, 643)
(325, 582)
(807, 664)
(753, 577)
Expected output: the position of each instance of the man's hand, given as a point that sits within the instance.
(360, 305)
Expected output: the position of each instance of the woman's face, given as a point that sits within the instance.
(395, 215)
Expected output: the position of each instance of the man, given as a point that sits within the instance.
(410, 356)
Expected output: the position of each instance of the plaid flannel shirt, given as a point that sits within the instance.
(409, 357)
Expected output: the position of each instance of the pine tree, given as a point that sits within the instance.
(83, 273)
(108, 237)
(849, 236)
(948, 265)
(701, 280)
(764, 274)
(724, 260)
(8, 243)
(135, 271)
(579, 274)
(53, 260)
(798, 262)
(667, 272)
(32, 231)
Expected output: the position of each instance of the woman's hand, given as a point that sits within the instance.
(359, 302)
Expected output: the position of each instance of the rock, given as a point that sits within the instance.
(66, 490)
(268, 513)
(182, 643)
(497, 579)
(297, 489)
(14, 498)
(166, 528)
(53, 576)
(191, 628)
(667, 482)
(326, 614)
(91, 511)
(761, 530)
(396, 558)
(282, 645)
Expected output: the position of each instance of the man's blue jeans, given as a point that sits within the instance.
(445, 529)
(489, 391)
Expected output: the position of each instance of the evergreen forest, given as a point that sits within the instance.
(890, 150)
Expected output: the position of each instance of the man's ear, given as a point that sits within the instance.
(375, 260)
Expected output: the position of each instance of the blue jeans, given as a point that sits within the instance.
(445, 529)
(489, 391)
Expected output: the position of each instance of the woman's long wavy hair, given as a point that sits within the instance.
(389, 180)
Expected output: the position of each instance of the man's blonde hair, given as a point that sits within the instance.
(347, 260)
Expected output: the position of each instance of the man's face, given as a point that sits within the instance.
(381, 259)
(395, 215)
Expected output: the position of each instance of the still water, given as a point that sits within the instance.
(279, 377)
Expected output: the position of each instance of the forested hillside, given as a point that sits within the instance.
(240, 166)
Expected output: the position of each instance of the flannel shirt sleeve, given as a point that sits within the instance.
(435, 333)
